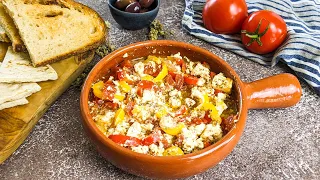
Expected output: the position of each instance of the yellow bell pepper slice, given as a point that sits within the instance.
(207, 105)
(120, 97)
(125, 86)
(119, 116)
(147, 77)
(173, 151)
(173, 131)
(162, 112)
(97, 89)
(163, 73)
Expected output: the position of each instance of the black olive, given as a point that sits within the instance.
(121, 4)
(133, 7)
(146, 3)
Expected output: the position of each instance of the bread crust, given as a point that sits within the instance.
(83, 9)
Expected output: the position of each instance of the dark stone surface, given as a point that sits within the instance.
(276, 144)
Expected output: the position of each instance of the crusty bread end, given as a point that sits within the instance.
(53, 30)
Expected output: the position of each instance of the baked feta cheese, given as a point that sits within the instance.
(200, 70)
(222, 83)
(139, 68)
(134, 130)
(212, 132)
(141, 149)
(190, 102)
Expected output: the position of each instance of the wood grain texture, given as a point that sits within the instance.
(17, 122)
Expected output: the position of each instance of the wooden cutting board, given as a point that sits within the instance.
(16, 123)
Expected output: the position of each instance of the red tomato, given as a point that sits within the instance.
(263, 32)
(224, 16)
(181, 111)
(151, 139)
(178, 81)
(144, 84)
(126, 63)
(169, 80)
(125, 140)
(191, 80)
(129, 107)
(108, 91)
(212, 74)
(121, 74)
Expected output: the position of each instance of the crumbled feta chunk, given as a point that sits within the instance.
(148, 95)
(167, 122)
(141, 149)
(200, 70)
(195, 92)
(134, 130)
(121, 128)
(222, 83)
(199, 128)
(125, 55)
(212, 132)
(147, 127)
(189, 140)
(168, 137)
(156, 150)
(140, 112)
(177, 55)
(190, 102)
(201, 81)
(174, 102)
(175, 92)
(139, 68)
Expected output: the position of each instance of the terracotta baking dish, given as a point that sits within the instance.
(278, 91)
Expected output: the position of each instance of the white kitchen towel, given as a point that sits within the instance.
(301, 49)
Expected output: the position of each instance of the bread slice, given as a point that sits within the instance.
(12, 32)
(17, 67)
(14, 103)
(3, 35)
(53, 30)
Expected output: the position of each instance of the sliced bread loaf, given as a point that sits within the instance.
(12, 32)
(53, 30)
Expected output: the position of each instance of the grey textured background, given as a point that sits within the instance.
(276, 144)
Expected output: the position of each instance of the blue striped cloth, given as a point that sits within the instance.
(301, 49)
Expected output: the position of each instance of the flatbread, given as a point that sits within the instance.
(17, 67)
(11, 92)
(3, 35)
(14, 103)
(3, 50)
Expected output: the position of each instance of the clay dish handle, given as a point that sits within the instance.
(279, 91)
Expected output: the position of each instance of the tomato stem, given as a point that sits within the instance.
(255, 36)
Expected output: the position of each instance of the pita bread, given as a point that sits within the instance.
(3, 50)
(11, 92)
(3, 35)
(13, 103)
(17, 67)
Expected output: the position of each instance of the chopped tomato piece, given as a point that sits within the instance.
(170, 80)
(173, 74)
(179, 81)
(217, 91)
(108, 91)
(227, 124)
(205, 120)
(151, 139)
(180, 61)
(212, 74)
(121, 74)
(191, 80)
(181, 111)
(206, 64)
(126, 63)
(129, 107)
(183, 67)
(111, 105)
(125, 140)
(145, 84)
(206, 144)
